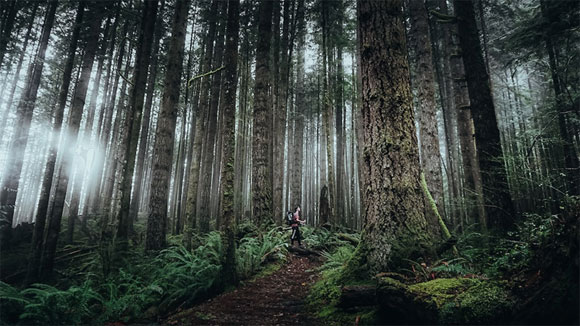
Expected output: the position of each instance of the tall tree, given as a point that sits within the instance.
(395, 221)
(55, 211)
(550, 13)
(229, 140)
(144, 135)
(261, 163)
(165, 134)
(201, 114)
(47, 180)
(425, 85)
(496, 193)
(134, 113)
(10, 183)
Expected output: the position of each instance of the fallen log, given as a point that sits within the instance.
(348, 238)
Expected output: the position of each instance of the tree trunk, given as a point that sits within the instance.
(430, 157)
(394, 208)
(163, 148)
(209, 153)
(327, 114)
(144, 134)
(194, 175)
(134, 114)
(55, 212)
(261, 163)
(10, 184)
(499, 205)
(228, 135)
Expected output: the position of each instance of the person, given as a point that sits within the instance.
(296, 227)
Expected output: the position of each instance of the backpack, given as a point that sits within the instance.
(289, 218)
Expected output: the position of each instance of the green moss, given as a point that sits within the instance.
(356, 268)
(460, 301)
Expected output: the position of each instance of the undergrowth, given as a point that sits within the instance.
(142, 287)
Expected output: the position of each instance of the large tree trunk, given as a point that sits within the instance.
(134, 114)
(55, 212)
(163, 148)
(261, 163)
(494, 179)
(395, 222)
(9, 186)
(228, 135)
(425, 85)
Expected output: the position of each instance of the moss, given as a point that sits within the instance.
(460, 301)
(356, 269)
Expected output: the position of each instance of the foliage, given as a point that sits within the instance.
(144, 286)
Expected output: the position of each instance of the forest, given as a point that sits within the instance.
(289, 162)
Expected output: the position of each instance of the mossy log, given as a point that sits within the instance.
(349, 238)
(443, 301)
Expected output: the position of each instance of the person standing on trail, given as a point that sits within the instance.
(296, 222)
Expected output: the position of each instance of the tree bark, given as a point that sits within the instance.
(424, 84)
(228, 134)
(163, 148)
(261, 163)
(394, 208)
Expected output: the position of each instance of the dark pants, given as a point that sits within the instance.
(295, 235)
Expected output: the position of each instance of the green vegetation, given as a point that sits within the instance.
(144, 287)
(528, 276)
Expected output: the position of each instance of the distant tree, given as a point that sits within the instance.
(134, 114)
(499, 206)
(10, 183)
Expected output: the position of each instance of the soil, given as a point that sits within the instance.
(276, 299)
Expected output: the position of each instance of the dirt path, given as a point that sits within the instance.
(277, 299)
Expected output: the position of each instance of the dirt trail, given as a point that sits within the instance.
(276, 299)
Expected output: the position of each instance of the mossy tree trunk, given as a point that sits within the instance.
(394, 202)
(229, 138)
(425, 86)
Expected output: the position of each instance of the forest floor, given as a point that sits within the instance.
(275, 299)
